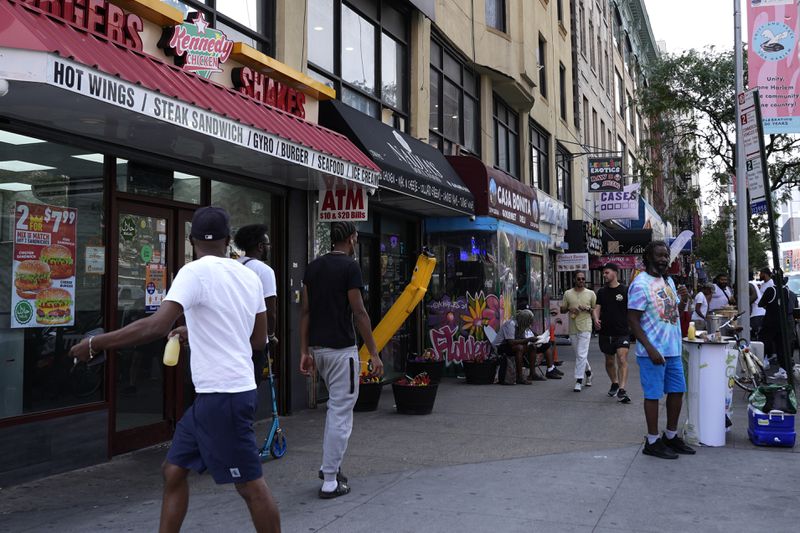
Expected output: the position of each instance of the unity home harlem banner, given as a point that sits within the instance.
(773, 63)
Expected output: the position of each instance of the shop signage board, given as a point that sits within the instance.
(572, 262)
(772, 62)
(512, 201)
(268, 91)
(44, 266)
(195, 46)
(754, 169)
(605, 174)
(631, 262)
(592, 236)
(79, 79)
(620, 205)
(340, 202)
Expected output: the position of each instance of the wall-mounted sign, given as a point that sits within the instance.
(155, 287)
(43, 266)
(340, 201)
(592, 236)
(195, 46)
(97, 16)
(572, 262)
(621, 205)
(264, 89)
(605, 174)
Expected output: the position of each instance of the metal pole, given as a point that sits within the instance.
(742, 266)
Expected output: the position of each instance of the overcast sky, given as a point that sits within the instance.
(686, 24)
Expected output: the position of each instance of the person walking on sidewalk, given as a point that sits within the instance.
(653, 320)
(331, 303)
(225, 325)
(254, 241)
(611, 320)
(580, 301)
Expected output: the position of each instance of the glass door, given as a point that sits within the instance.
(144, 396)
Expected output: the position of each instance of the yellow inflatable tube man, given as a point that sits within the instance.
(411, 297)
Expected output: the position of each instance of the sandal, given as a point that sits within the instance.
(341, 490)
(341, 478)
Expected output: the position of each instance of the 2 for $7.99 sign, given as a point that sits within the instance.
(44, 265)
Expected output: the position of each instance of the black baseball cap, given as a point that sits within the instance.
(211, 224)
(611, 266)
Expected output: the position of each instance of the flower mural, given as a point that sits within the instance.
(474, 321)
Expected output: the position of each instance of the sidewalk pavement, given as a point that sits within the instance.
(521, 458)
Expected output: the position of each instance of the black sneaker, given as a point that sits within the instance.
(622, 396)
(557, 371)
(677, 445)
(558, 363)
(341, 478)
(658, 449)
(613, 390)
(553, 374)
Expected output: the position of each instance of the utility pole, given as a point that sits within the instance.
(742, 208)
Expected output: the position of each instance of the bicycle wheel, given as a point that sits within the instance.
(278, 447)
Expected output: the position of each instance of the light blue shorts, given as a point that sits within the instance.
(658, 380)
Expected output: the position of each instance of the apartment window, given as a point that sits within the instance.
(542, 66)
(454, 102)
(617, 30)
(602, 142)
(582, 26)
(621, 151)
(629, 112)
(540, 157)
(368, 63)
(560, 11)
(595, 139)
(562, 89)
(631, 167)
(592, 62)
(585, 122)
(610, 144)
(599, 59)
(249, 21)
(607, 67)
(563, 175)
(619, 95)
(496, 14)
(506, 137)
(638, 132)
(628, 55)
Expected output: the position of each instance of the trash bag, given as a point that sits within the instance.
(774, 397)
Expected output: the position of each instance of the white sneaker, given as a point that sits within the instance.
(587, 380)
(577, 387)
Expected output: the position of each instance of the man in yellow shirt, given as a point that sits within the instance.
(580, 301)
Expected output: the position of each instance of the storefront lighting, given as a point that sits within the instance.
(17, 140)
(184, 176)
(318, 28)
(15, 165)
(14, 186)
(349, 48)
(94, 158)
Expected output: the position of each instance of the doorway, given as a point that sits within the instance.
(151, 243)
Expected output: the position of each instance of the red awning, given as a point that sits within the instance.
(28, 28)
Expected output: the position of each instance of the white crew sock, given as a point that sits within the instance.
(670, 434)
(651, 439)
(551, 368)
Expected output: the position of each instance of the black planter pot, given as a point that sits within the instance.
(434, 369)
(414, 400)
(369, 394)
(480, 373)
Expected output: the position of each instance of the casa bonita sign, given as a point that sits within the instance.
(196, 47)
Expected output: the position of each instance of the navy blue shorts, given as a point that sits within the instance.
(216, 434)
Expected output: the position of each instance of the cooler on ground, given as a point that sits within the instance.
(774, 428)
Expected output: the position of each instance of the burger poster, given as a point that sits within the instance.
(44, 266)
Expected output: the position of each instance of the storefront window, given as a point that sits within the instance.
(52, 252)
(245, 205)
(147, 180)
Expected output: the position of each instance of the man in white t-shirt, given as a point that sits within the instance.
(254, 241)
(722, 295)
(225, 324)
(701, 305)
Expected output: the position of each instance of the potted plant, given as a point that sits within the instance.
(428, 362)
(414, 396)
(369, 392)
(480, 370)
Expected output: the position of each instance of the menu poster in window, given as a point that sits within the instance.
(155, 287)
(43, 266)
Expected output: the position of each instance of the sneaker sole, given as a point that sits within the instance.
(651, 454)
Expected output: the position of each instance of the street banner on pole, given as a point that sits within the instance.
(605, 174)
(772, 62)
(751, 139)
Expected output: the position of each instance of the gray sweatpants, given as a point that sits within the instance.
(340, 370)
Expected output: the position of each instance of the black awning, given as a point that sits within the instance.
(412, 168)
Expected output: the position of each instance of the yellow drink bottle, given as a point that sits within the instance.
(172, 350)
(690, 334)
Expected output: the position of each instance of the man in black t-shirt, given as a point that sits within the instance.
(331, 305)
(611, 320)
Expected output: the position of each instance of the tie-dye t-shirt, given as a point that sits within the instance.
(658, 301)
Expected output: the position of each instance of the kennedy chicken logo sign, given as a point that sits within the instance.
(196, 47)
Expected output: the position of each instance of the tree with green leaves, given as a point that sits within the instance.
(713, 250)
